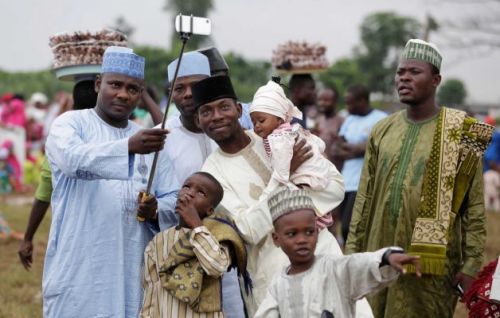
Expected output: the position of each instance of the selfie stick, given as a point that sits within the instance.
(184, 38)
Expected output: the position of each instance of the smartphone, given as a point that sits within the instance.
(193, 25)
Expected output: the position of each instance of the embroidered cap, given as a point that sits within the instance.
(192, 63)
(211, 89)
(417, 49)
(122, 60)
(283, 201)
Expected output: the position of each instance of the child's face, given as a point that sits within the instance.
(264, 124)
(200, 191)
(297, 236)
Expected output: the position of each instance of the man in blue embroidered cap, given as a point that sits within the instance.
(417, 191)
(100, 161)
(187, 148)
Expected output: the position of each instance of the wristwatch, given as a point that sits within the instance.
(388, 252)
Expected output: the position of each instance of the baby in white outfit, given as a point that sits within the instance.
(271, 112)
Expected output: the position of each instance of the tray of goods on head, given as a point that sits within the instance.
(299, 58)
(80, 53)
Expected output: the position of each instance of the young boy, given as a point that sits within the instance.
(184, 264)
(323, 285)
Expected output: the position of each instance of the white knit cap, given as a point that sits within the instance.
(271, 99)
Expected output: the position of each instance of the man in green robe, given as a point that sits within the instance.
(421, 189)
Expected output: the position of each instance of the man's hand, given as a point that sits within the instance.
(147, 207)
(397, 260)
(25, 252)
(187, 212)
(147, 141)
(464, 280)
(301, 153)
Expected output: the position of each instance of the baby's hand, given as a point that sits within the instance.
(397, 260)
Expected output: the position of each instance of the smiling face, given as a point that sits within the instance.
(415, 82)
(297, 235)
(182, 95)
(219, 119)
(264, 124)
(117, 97)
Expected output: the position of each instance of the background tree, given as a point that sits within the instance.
(198, 8)
(382, 37)
(452, 93)
(342, 74)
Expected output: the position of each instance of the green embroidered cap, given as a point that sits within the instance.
(283, 201)
(425, 51)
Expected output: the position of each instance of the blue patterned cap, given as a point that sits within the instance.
(123, 60)
(192, 63)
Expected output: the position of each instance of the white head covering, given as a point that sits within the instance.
(271, 99)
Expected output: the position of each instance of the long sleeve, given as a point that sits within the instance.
(473, 226)
(151, 283)
(361, 273)
(76, 158)
(166, 189)
(214, 257)
(362, 205)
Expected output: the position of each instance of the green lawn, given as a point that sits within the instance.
(20, 291)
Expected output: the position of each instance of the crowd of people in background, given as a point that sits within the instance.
(290, 163)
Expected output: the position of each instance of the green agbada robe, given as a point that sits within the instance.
(386, 208)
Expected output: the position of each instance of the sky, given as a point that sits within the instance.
(250, 28)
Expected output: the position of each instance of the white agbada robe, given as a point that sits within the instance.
(246, 179)
(188, 151)
(332, 283)
(96, 245)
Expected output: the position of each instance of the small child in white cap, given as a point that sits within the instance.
(321, 285)
(271, 112)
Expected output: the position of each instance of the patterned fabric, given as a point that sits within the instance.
(429, 237)
(182, 274)
(124, 61)
(284, 201)
(424, 51)
(478, 297)
(373, 227)
(158, 302)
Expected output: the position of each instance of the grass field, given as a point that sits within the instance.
(20, 291)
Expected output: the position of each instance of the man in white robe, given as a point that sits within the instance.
(241, 166)
(100, 161)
